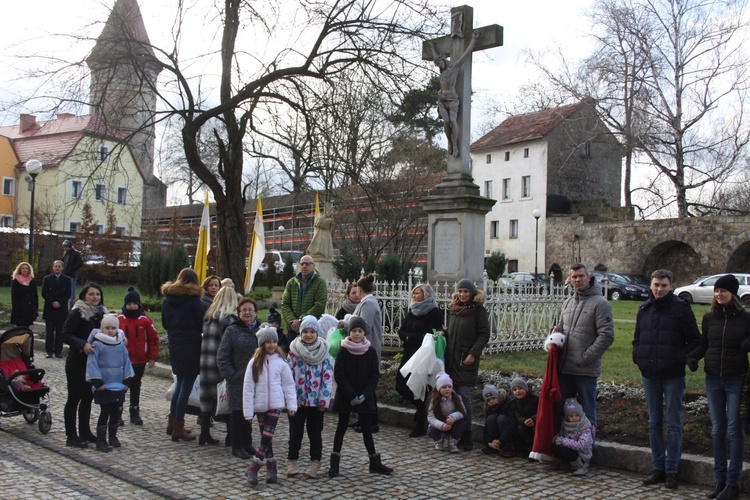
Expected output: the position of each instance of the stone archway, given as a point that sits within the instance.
(678, 257)
(739, 261)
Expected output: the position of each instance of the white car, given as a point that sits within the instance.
(702, 290)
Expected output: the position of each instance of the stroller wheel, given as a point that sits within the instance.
(45, 422)
(31, 415)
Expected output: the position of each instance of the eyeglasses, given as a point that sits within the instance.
(305, 264)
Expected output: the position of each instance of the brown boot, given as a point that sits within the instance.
(170, 423)
(179, 432)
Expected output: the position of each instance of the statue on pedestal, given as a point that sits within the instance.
(321, 245)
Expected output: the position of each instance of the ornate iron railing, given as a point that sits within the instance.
(520, 318)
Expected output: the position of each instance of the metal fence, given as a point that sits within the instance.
(520, 318)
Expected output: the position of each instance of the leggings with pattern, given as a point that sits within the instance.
(267, 422)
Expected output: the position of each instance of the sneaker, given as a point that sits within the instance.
(671, 481)
(581, 470)
(58, 355)
(656, 476)
(509, 452)
(49, 355)
(76, 442)
(452, 445)
(440, 445)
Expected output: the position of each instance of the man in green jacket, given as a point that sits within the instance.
(304, 294)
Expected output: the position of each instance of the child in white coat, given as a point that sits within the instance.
(269, 388)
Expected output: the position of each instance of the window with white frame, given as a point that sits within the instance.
(513, 230)
(100, 191)
(525, 186)
(6, 221)
(489, 159)
(122, 196)
(75, 227)
(103, 154)
(507, 156)
(506, 189)
(9, 186)
(97, 229)
(495, 229)
(76, 188)
(488, 189)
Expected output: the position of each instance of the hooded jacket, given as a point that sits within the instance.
(182, 316)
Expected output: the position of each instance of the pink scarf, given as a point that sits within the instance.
(356, 348)
(24, 280)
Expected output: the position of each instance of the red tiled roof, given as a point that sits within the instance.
(526, 127)
(52, 140)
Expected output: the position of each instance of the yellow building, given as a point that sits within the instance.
(84, 162)
(10, 184)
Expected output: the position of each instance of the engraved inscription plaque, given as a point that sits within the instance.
(447, 246)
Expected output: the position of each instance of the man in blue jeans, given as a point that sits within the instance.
(665, 332)
(589, 331)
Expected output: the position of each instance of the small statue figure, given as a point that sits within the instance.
(321, 245)
(448, 100)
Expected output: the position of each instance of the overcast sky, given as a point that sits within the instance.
(532, 24)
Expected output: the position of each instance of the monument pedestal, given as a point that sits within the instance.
(455, 230)
(325, 268)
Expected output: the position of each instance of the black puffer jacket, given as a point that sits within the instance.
(665, 333)
(182, 316)
(725, 342)
(356, 375)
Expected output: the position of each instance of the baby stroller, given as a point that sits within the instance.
(22, 391)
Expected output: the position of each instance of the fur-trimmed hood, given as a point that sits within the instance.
(181, 290)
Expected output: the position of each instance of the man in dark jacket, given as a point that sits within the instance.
(665, 333)
(56, 293)
(589, 331)
(72, 261)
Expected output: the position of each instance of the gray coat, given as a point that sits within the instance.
(589, 331)
(235, 352)
(213, 330)
(369, 310)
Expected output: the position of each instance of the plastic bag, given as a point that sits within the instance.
(422, 368)
(327, 324)
(440, 344)
(334, 341)
(195, 393)
(222, 399)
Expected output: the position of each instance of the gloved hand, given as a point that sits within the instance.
(358, 400)
(692, 363)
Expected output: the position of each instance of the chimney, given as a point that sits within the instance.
(28, 122)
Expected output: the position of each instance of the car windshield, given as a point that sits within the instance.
(616, 278)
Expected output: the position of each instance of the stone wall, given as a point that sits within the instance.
(689, 247)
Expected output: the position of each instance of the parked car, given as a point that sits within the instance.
(619, 288)
(529, 282)
(636, 279)
(277, 259)
(702, 290)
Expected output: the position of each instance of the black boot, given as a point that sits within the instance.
(120, 421)
(101, 439)
(113, 441)
(376, 466)
(135, 416)
(718, 488)
(466, 443)
(730, 492)
(333, 471)
(420, 423)
(205, 436)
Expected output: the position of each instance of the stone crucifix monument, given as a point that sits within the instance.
(456, 211)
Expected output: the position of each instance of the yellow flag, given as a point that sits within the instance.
(257, 250)
(204, 244)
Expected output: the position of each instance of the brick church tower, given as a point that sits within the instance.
(124, 72)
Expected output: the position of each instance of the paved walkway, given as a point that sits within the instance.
(150, 465)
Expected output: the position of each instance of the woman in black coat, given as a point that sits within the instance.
(182, 316)
(423, 317)
(86, 315)
(23, 296)
(235, 351)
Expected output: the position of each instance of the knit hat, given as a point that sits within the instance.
(132, 296)
(309, 321)
(519, 382)
(729, 283)
(443, 379)
(466, 283)
(274, 316)
(572, 406)
(490, 391)
(266, 333)
(356, 322)
(110, 320)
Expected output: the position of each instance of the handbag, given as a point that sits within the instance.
(222, 399)
(195, 393)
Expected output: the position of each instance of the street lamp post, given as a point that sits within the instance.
(281, 237)
(33, 168)
(536, 213)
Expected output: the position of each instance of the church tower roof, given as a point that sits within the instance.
(124, 34)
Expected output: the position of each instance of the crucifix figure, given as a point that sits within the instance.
(454, 102)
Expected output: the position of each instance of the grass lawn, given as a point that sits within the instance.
(617, 364)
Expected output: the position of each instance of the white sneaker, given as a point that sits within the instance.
(453, 445)
(440, 445)
(582, 468)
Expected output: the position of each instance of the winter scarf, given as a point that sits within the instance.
(103, 337)
(88, 311)
(420, 309)
(349, 306)
(132, 313)
(575, 428)
(24, 280)
(312, 354)
(356, 348)
(464, 310)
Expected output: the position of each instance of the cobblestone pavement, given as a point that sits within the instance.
(150, 465)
